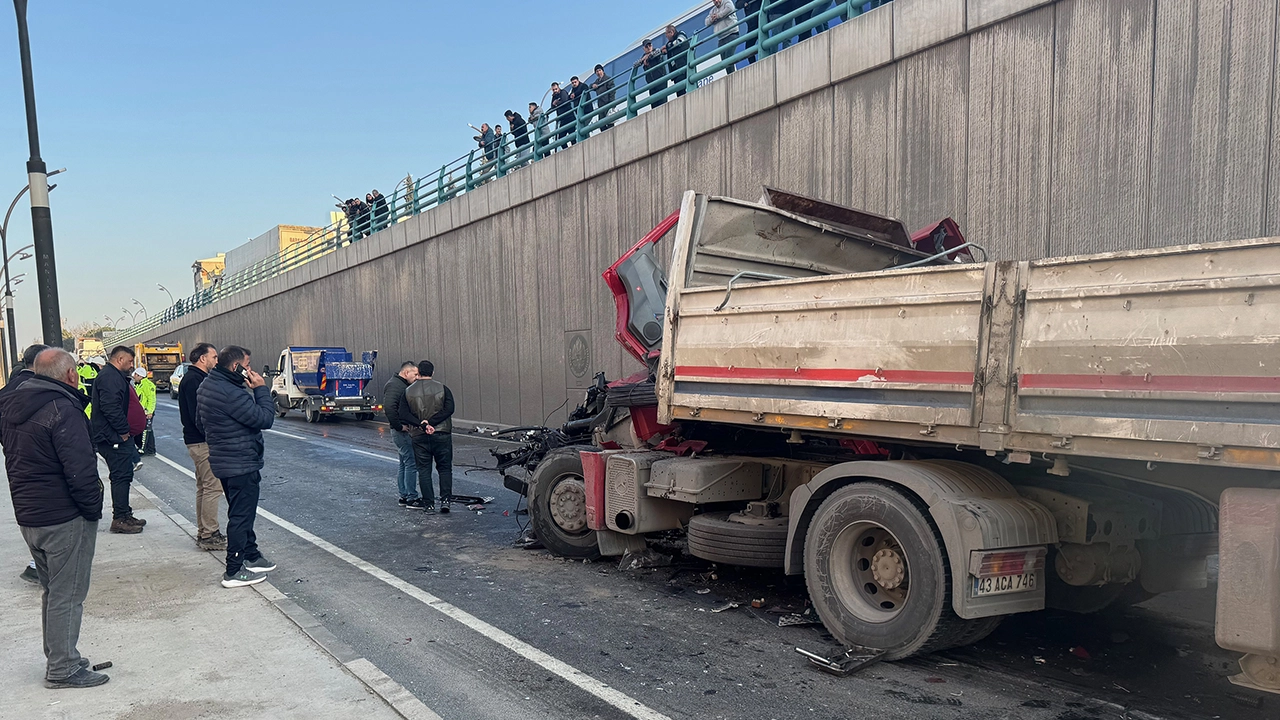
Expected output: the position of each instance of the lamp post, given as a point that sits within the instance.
(131, 319)
(144, 309)
(166, 291)
(37, 177)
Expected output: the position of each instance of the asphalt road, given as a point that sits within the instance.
(490, 631)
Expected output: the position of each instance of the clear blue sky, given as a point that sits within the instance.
(188, 128)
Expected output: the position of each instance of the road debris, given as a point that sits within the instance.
(727, 606)
(757, 604)
(102, 666)
(808, 617)
(646, 558)
(703, 591)
(1081, 653)
(846, 663)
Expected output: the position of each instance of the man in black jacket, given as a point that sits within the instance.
(203, 358)
(57, 501)
(109, 429)
(602, 85)
(232, 421)
(393, 407)
(429, 404)
(16, 378)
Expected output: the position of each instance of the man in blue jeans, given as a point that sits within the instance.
(232, 421)
(393, 407)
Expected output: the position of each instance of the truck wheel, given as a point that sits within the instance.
(715, 537)
(558, 508)
(313, 415)
(878, 573)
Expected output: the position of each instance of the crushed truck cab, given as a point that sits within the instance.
(323, 381)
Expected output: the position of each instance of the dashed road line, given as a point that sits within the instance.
(579, 679)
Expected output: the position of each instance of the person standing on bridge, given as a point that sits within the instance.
(563, 109)
(146, 389)
(578, 92)
(203, 358)
(602, 86)
(519, 130)
(57, 501)
(112, 398)
(232, 421)
(651, 61)
(723, 20)
(430, 406)
(380, 213)
(393, 407)
(676, 50)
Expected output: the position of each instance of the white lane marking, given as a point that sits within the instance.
(288, 435)
(317, 441)
(610, 695)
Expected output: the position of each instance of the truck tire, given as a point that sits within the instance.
(714, 537)
(313, 415)
(558, 506)
(878, 573)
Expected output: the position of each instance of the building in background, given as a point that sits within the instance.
(206, 271)
(281, 239)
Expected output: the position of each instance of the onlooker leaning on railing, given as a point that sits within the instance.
(723, 21)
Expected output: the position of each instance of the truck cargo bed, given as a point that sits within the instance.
(1165, 355)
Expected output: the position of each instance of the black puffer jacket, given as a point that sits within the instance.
(110, 406)
(52, 468)
(232, 420)
(392, 402)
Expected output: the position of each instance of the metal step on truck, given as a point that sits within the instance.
(323, 381)
(932, 439)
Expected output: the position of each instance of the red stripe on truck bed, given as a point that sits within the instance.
(1183, 383)
(926, 377)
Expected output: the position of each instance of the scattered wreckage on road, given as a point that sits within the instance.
(933, 439)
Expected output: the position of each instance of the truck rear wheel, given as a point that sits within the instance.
(313, 415)
(878, 573)
(558, 506)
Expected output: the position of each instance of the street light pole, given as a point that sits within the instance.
(131, 316)
(41, 218)
(144, 307)
(166, 291)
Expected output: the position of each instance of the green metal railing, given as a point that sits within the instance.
(702, 57)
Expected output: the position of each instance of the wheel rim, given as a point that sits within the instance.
(567, 502)
(870, 572)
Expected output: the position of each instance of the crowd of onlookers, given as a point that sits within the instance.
(365, 217)
(662, 68)
(582, 106)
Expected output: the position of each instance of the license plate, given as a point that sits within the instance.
(1001, 584)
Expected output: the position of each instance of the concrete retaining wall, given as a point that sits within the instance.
(1044, 128)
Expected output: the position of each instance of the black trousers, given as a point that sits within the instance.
(119, 458)
(437, 447)
(242, 508)
(146, 442)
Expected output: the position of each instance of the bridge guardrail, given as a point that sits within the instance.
(546, 136)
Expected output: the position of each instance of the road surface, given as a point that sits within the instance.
(477, 629)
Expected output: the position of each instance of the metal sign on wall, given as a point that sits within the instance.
(578, 359)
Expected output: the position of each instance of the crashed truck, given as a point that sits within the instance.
(933, 439)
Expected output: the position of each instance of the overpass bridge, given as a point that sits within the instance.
(1044, 127)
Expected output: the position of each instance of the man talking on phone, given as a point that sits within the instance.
(232, 421)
